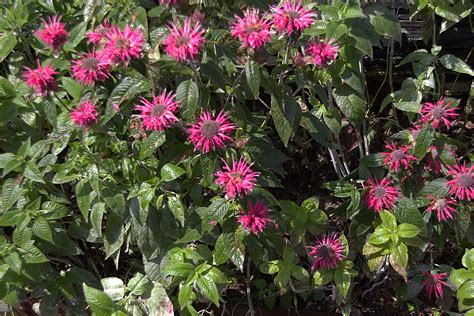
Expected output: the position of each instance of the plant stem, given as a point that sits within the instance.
(251, 310)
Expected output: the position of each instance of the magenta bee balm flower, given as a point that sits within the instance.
(85, 114)
(99, 35)
(396, 157)
(123, 46)
(184, 41)
(210, 133)
(238, 180)
(159, 113)
(462, 184)
(256, 217)
(41, 79)
(438, 113)
(322, 53)
(382, 194)
(444, 207)
(433, 284)
(292, 17)
(90, 68)
(327, 253)
(53, 33)
(252, 30)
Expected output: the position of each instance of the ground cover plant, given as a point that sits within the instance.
(187, 157)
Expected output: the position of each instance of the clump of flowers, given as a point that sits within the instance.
(210, 133)
(256, 217)
(159, 113)
(434, 284)
(462, 183)
(123, 45)
(238, 180)
(322, 53)
(90, 68)
(291, 17)
(184, 41)
(438, 113)
(99, 35)
(85, 114)
(444, 207)
(53, 33)
(396, 157)
(327, 253)
(41, 79)
(382, 194)
(251, 29)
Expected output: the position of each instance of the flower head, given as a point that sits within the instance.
(53, 33)
(159, 113)
(41, 79)
(327, 252)
(292, 17)
(252, 30)
(256, 217)
(238, 180)
(85, 114)
(99, 35)
(184, 41)
(444, 207)
(210, 133)
(123, 46)
(382, 194)
(462, 184)
(90, 68)
(396, 157)
(322, 53)
(438, 113)
(433, 284)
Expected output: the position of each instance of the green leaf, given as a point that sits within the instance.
(253, 77)
(151, 143)
(76, 35)
(322, 277)
(179, 269)
(468, 259)
(389, 220)
(139, 284)
(159, 302)
(177, 208)
(96, 216)
(379, 236)
(114, 234)
(113, 287)
(41, 229)
(407, 212)
(7, 44)
(33, 254)
(408, 230)
(170, 172)
(72, 87)
(187, 94)
(409, 106)
(465, 295)
(286, 116)
(459, 276)
(100, 303)
(184, 295)
(216, 211)
(11, 190)
(351, 105)
(336, 31)
(437, 187)
(208, 288)
(384, 22)
(399, 259)
(83, 197)
(342, 279)
(318, 131)
(447, 12)
(453, 63)
(32, 172)
(423, 141)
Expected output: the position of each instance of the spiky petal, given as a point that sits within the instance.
(90, 68)
(251, 29)
(256, 217)
(41, 79)
(85, 114)
(238, 180)
(292, 17)
(444, 207)
(439, 113)
(462, 183)
(434, 284)
(99, 35)
(53, 33)
(322, 53)
(327, 253)
(210, 133)
(123, 46)
(396, 157)
(159, 113)
(184, 41)
(382, 194)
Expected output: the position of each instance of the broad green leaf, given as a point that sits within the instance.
(7, 44)
(408, 230)
(322, 277)
(286, 114)
(187, 94)
(32, 172)
(72, 87)
(170, 172)
(465, 295)
(7, 90)
(184, 295)
(100, 303)
(139, 284)
(253, 77)
(342, 279)
(114, 234)
(76, 35)
(33, 255)
(208, 288)
(412, 107)
(41, 229)
(468, 259)
(351, 105)
(459, 276)
(176, 207)
(179, 269)
(318, 131)
(447, 12)
(379, 236)
(96, 216)
(407, 212)
(453, 63)
(159, 302)
(399, 259)
(437, 187)
(151, 143)
(389, 220)
(84, 197)
(423, 141)
(113, 287)
(384, 22)
(10, 193)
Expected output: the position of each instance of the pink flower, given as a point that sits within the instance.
(397, 156)
(238, 180)
(160, 112)
(162, 2)
(123, 46)
(252, 30)
(322, 53)
(184, 41)
(210, 133)
(433, 161)
(90, 68)
(85, 114)
(53, 33)
(256, 218)
(99, 35)
(292, 17)
(382, 194)
(462, 184)
(433, 284)
(41, 79)
(438, 113)
(444, 207)
(328, 252)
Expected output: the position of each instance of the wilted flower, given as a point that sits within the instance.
(123, 46)
(53, 33)
(256, 217)
(90, 68)
(438, 113)
(210, 133)
(184, 41)
(292, 17)
(238, 180)
(382, 194)
(444, 207)
(397, 156)
(41, 79)
(322, 53)
(433, 284)
(252, 30)
(462, 184)
(159, 113)
(85, 114)
(327, 253)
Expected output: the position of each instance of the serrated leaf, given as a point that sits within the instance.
(100, 303)
(33, 255)
(179, 269)
(389, 220)
(10, 193)
(342, 279)
(187, 94)
(139, 284)
(151, 143)
(170, 172)
(399, 259)
(465, 295)
(286, 114)
(208, 288)
(379, 236)
(184, 295)
(41, 229)
(72, 87)
(114, 234)
(351, 105)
